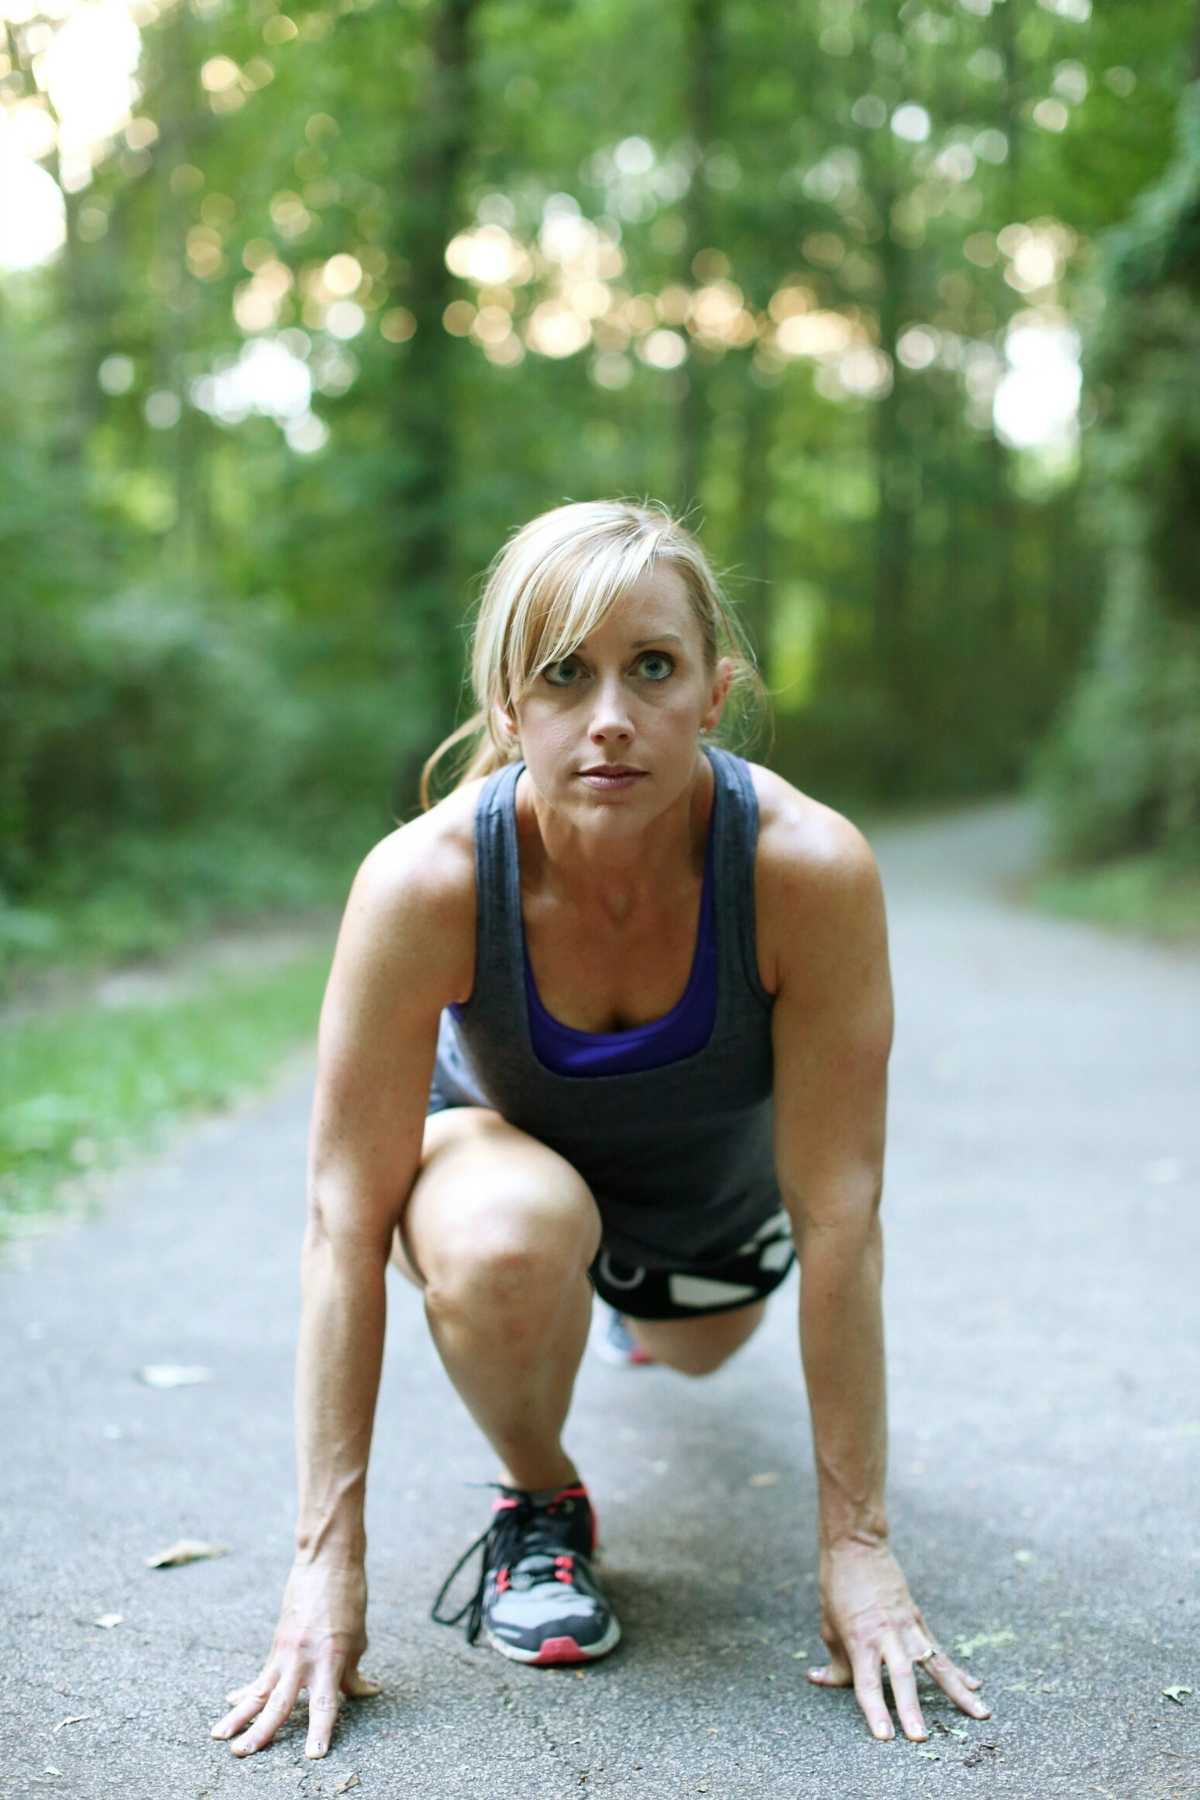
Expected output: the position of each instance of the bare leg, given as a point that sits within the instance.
(698, 1346)
(499, 1230)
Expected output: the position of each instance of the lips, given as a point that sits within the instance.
(612, 769)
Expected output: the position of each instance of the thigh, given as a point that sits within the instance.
(484, 1181)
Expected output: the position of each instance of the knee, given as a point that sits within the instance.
(513, 1254)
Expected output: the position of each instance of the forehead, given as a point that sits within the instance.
(656, 602)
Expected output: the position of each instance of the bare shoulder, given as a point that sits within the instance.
(412, 901)
(817, 886)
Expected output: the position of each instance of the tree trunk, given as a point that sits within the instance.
(420, 494)
(702, 59)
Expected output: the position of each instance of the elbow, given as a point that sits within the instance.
(337, 1230)
(844, 1226)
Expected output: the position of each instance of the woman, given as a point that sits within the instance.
(615, 1014)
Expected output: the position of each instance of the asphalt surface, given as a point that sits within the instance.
(1044, 1383)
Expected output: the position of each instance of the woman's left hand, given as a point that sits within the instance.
(869, 1622)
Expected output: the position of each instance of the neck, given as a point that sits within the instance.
(617, 873)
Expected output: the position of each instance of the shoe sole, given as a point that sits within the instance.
(560, 1649)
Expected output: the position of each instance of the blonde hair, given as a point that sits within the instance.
(551, 585)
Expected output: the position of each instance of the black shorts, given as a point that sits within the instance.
(753, 1272)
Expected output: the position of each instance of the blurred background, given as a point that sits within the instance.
(302, 311)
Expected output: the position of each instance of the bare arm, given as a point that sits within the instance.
(376, 1047)
(833, 1029)
(398, 960)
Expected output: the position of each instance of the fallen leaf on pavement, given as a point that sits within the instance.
(185, 1551)
(106, 1621)
(171, 1375)
(343, 1787)
(75, 1719)
(767, 1480)
(1176, 1694)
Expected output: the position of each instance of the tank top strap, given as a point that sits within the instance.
(735, 849)
(497, 891)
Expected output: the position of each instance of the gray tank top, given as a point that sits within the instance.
(680, 1158)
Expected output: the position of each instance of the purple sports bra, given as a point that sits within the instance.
(679, 1033)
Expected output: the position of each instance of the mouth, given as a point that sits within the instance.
(611, 777)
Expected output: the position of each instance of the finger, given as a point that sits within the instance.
(360, 1686)
(835, 1673)
(249, 1701)
(270, 1718)
(868, 1690)
(940, 1664)
(904, 1693)
(955, 1683)
(322, 1717)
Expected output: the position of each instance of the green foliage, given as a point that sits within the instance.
(233, 622)
(1121, 772)
(149, 713)
(85, 1084)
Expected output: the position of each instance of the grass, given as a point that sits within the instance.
(86, 1087)
(1143, 894)
(149, 896)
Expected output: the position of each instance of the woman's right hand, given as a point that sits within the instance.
(320, 1636)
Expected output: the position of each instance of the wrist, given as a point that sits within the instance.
(344, 1546)
(867, 1531)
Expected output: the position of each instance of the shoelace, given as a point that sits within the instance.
(509, 1528)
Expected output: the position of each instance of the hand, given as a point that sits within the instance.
(320, 1636)
(868, 1621)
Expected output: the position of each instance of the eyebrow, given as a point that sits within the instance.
(658, 638)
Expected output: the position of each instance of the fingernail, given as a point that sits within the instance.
(881, 1731)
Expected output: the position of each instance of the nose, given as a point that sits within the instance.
(610, 722)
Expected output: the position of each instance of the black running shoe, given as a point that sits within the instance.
(537, 1599)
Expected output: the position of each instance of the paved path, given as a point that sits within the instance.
(1045, 1438)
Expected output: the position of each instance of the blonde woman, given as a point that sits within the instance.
(614, 1015)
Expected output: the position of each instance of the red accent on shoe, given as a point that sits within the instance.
(579, 1492)
(502, 1504)
(503, 1581)
(560, 1650)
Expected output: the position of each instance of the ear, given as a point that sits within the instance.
(506, 723)
(722, 682)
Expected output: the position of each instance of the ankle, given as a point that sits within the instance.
(540, 1477)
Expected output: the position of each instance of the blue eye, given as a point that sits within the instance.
(659, 656)
(552, 670)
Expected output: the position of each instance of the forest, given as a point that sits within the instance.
(303, 312)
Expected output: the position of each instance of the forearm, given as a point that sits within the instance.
(340, 1352)
(842, 1347)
